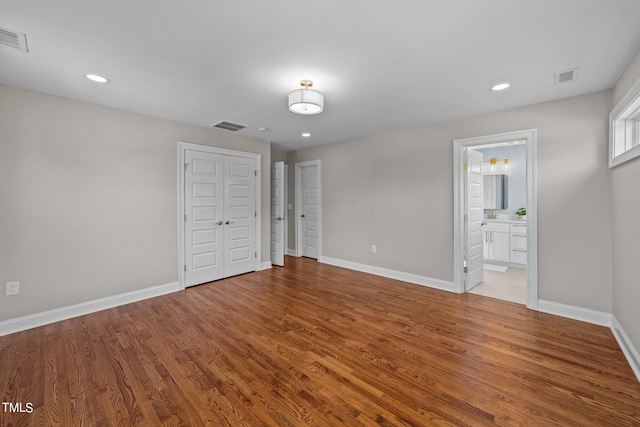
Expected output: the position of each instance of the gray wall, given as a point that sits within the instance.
(626, 228)
(396, 191)
(89, 199)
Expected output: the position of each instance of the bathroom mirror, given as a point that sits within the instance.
(495, 192)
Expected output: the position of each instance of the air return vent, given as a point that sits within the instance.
(566, 76)
(13, 39)
(232, 127)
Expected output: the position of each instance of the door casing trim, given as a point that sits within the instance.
(182, 148)
(531, 136)
(298, 188)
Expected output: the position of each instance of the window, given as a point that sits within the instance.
(624, 128)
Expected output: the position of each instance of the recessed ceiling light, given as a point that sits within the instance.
(500, 86)
(96, 78)
(306, 134)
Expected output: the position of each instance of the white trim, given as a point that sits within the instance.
(576, 313)
(292, 252)
(298, 189)
(530, 135)
(623, 128)
(442, 285)
(630, 352)
(56, 315)
(182, 148)
(266, 265)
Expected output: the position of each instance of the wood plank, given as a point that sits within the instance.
(313, 344)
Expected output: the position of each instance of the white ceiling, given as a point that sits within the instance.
(382, 65)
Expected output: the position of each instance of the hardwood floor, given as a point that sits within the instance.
(313, 344)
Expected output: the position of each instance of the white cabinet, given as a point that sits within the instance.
(496, 241)
(518, 243)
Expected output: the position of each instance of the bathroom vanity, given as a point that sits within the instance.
(505, 242)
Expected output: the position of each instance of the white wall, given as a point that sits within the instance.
(396, 191)
(89, 199)
(626, 228)
(517, 174)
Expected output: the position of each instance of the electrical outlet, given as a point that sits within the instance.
(13, 288)
(374, 249)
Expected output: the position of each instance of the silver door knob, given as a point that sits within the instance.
(219, 223)
(229, 222)
(302, 216)
(280, 218)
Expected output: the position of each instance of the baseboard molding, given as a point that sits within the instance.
(266, 265)
(576, 313)
(630, 352)
(391, 274)
(51, 316)
(291, 252)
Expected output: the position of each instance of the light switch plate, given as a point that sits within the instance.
(13, 288)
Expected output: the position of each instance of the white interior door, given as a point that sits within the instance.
(203, 217)
(239, 215)
(474, 243)
(310, 186)
(277, 213)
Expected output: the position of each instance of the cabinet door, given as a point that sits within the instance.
(500, 246)
(487, 247)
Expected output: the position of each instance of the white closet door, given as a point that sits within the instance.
(239, 215)
(277, 213)
(475, 216)
(203, 217)
(309, 216)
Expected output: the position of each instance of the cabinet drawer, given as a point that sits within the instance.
(496, 226)
(520, 229)
(518, 256)
(518, 242)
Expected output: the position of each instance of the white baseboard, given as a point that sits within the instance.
(391, 274)
(576, 313)
(51, 316)
(266, 265)
(630, 352)
(292, 252)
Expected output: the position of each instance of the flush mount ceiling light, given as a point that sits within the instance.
(306, 134)
(306, 101)
(500, 86)
(96, 78)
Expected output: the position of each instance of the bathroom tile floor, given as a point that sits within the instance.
(509, 286)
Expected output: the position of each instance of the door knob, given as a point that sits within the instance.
(280, 218)
(229, 222)
(302, 216)
(219, 223)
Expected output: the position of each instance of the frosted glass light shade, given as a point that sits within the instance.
(306, 101)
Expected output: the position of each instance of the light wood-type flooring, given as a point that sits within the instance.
(509, 286)
(313, 344)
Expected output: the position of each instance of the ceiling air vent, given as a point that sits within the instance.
(566, 76)
(232, 127)
(13, 39)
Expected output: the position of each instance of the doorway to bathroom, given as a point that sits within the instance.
(495, 214)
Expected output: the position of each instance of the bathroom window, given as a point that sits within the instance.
(624, 128)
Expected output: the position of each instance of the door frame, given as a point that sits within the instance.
(298, 188)
(182, 148)
(531, 136)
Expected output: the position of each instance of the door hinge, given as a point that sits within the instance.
(186, 165)
(255, 173)
(255, 214)
(465, 217)
(255, 254)
(185, 217)
(465, 270)
(185, 267)
(465, 165)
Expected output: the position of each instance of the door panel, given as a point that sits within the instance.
(310, 211)
(475, 216)
(239, 215)
(277, 213)
(203, 209)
